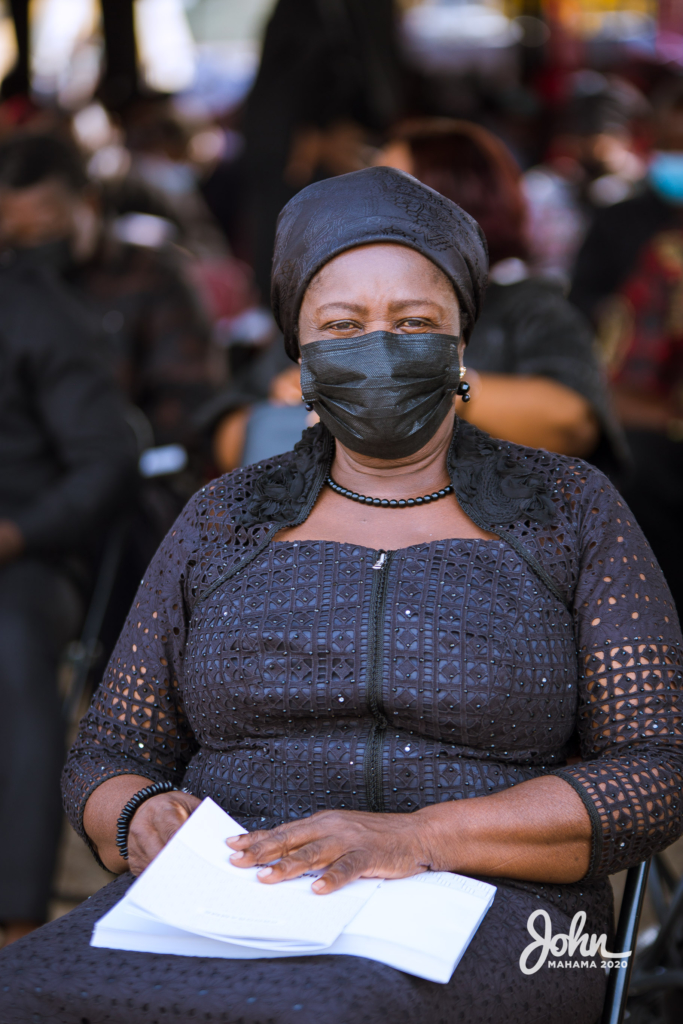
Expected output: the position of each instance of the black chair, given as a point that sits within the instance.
(84, 652)
(627, 932)
(657, 980)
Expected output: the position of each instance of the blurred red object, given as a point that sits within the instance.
(670, 17)
(18, 110)
(226, 286)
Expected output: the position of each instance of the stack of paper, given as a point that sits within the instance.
(191, 901)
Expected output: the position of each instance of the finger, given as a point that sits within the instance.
(311, 857)
(347, 869)
(302, 830)
(262, 847)
(283, 832)
(248, 838)
(266, 845)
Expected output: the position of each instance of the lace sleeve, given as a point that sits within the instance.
(629, 724)
(135, 724)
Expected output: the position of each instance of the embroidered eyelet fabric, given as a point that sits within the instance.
(256, 695)
(242, 674)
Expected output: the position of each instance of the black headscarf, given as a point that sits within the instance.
(378, 204)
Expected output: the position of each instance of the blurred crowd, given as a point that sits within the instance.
(139, 357)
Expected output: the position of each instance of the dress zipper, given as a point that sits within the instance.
(373, 756)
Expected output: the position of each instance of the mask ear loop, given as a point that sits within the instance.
(307, 391)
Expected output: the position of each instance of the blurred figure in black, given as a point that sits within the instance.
(536, 379)
(67, 466)
(154, 336)
(120, 78)
(146, 317)
(330, 73)
(629, 280)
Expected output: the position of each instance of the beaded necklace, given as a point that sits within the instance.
(388, 502)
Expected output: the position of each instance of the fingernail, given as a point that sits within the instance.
(318, 885)
(264, 872)
(236, 856)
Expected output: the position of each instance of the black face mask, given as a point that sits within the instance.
(383, 395)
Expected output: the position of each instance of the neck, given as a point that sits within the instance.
(417, 474)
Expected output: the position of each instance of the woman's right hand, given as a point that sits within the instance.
(154, 823)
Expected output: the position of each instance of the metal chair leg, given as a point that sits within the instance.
(627, 931)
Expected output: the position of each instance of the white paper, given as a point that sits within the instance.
(421, 925)
(220, 900)
(191, 901)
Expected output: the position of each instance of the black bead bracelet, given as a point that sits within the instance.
(126, 815)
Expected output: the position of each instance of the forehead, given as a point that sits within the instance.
(385, 266)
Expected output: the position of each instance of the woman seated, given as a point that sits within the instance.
(401, 647)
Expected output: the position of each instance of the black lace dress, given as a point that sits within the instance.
(281, 678)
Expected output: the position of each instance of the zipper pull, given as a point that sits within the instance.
(379, 564)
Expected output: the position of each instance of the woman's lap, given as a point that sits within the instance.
(55, 977)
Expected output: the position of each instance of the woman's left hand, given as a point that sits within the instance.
(345, 844)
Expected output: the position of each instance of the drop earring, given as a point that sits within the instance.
(463, 388)
(308, 406)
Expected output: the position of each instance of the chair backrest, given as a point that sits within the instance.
(627, 932)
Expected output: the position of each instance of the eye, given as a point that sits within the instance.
(341, 325)
(415, 323)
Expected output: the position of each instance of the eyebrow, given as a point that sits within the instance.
(399, 304)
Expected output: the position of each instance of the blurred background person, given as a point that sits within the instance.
(144, 315)
(120, 81)
(330, 77)
(67, 467)
(629, 280)
(594, 158)
(537, 380)
(159, 149)
(152, 330)
(619, 232)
